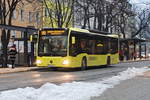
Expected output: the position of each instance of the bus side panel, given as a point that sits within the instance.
(77, 61)
(114, 58)
(92, 60)
(96, 60)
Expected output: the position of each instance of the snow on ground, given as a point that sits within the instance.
(71, 91)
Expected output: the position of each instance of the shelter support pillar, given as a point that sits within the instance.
(145, 50)
(135, 52)
(32, 53)
(140, 50)
(26, 59)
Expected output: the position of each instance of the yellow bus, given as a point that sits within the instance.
(73, 47)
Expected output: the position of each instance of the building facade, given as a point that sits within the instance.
(28, 13)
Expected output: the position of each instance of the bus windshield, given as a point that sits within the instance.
(52, 45)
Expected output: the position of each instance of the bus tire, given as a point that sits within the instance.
(108, 61)
(84, 64)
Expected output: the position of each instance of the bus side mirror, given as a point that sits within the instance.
(73, 40)
(33, 37)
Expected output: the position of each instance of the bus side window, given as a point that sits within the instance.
(74, 45)
(83, 46)
(99, 47)
(114, 46)
(91, 46)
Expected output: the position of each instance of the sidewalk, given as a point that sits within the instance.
(17, 69)
(137, 60)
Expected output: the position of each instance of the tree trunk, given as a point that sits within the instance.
(4, 43)
(99, 23)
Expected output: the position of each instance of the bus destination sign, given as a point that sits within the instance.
(52, 32)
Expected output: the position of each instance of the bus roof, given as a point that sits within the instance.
(113, 35)
(93, 32)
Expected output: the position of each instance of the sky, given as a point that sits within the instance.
(139, 1)
(71, 91)
(140, 4)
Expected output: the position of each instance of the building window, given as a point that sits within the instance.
(30, 16)
(13, 33)
(22, 34)
(22, 15)
(14, 15)
(37, 17)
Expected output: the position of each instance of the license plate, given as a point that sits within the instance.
(51, 66)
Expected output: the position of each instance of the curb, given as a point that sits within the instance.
(133, 61)
(15, 70)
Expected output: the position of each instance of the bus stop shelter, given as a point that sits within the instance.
(26, 31)
(132, 47)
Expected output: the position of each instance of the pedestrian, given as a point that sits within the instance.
(135, 55)
(126, 53)
(12, 54)
(121, 55)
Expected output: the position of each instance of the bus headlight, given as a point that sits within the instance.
(65, 62)
(38, 61)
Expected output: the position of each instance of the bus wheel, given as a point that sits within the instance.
(108, 60)
(84, 64)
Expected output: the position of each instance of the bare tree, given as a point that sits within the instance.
(84, 11)
(60, 12)
(6, 12)
(142, 22)
(124, 16)
(104, 15)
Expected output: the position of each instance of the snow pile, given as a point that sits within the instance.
(128, 74)
(70, 91)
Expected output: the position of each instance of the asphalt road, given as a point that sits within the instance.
(36, 78)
